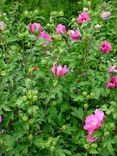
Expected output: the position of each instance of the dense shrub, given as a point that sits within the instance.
(54, 73)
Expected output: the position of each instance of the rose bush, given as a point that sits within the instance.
(58, 81)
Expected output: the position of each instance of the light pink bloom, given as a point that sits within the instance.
(45, 36)
(74, 35)
(92, 123)
(100, 115)
(0, 118)
(60, 29)
(83, 17)
(106, 47)
(59, 70)
(112, 69)
(112, 82)
(105, 15)
(34, 26)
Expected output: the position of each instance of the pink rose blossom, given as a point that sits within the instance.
(112, 69)
(60, 29)
(75, 35)
(112, 83)
(105, 15)
(0, 118)
(59, 70)
(34, 26)
(106, 47)
(93, 122)
(83, 17)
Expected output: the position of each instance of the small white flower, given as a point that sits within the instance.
(2, 26)
(97, 26)
(85, 9)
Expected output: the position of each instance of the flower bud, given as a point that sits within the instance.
(30, 137)
(86, 146)
(26, 13)
(94, 145)
(24, 98)
(87, 96)
(106, 133)
(35, 98)
(112, 125)
(92, 95)
(85, 105)
(25, 118)
(84, 93)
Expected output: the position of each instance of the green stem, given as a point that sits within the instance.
(88, 41)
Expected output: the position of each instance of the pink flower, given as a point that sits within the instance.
(105, 15)
(45, 36)
(60, 29)
(112, 82)
(93, 122)
(34, 26)
(59, 70)
(83, 17)
(106, 47)
(0, 118)
(112, 69)
(89, 137)
(75, 35)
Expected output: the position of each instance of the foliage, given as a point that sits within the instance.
(43, 115)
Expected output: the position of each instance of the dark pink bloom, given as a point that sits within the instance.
(112, 82)
(34, 26)
(112, 69)
(0, 118)
(93, 122)
(105, 15)
(59, 70)
(75, 35)
(83, 17)
(60, 29)
(106, 47)
(44, 35)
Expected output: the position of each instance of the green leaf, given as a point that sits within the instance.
(77, 113)
(39, 142)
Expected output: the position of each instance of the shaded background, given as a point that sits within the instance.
(70, 7)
